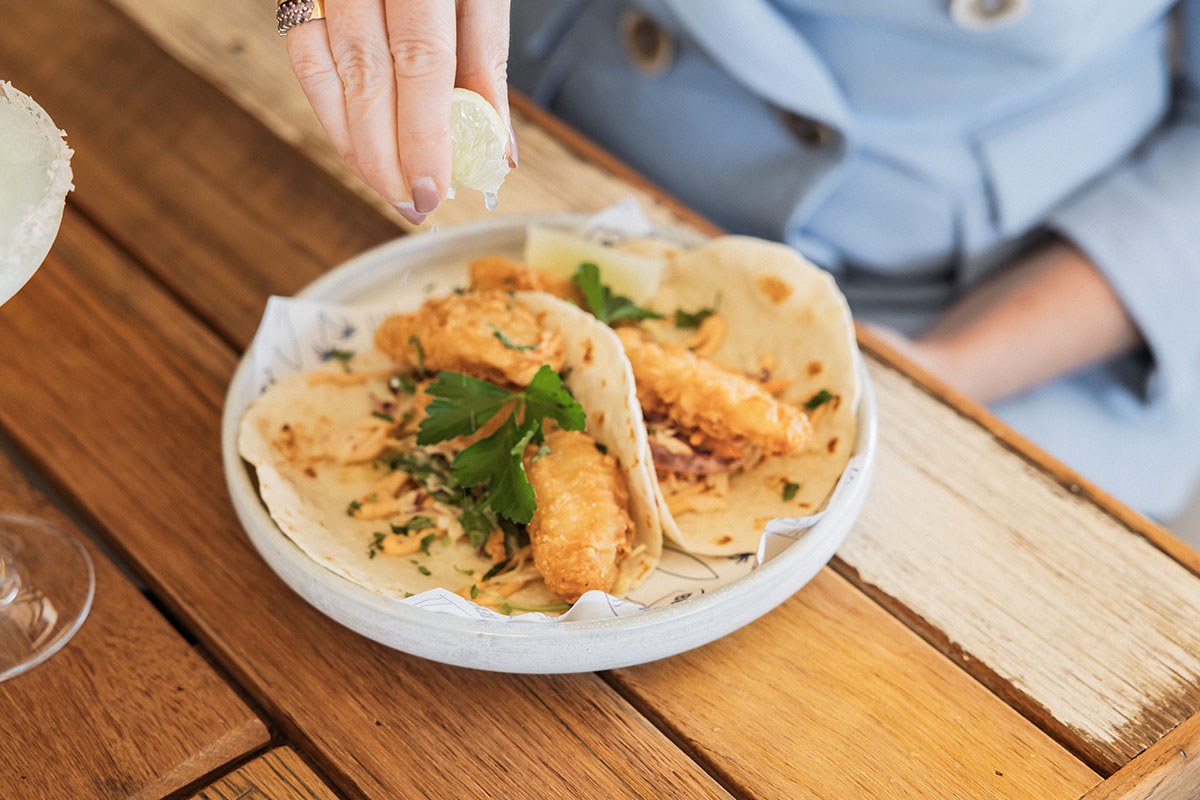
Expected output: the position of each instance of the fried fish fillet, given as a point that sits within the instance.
(500, 273)
(581, 530)
(486, 335)
(699, 394)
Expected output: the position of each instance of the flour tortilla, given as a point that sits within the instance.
(311, 509)
(774, 302)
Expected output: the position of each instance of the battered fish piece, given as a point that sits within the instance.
(486, 335)
(699, 394)
(581, 529)
(500, 273)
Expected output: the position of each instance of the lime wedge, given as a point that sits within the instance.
(632, 275)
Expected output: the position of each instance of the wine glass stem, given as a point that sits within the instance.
(10, 582)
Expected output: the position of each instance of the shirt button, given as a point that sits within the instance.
(807, 130)
(978, 15)
(649, 45)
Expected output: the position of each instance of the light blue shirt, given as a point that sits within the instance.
(954, 133)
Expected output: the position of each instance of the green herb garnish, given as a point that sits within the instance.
(413, 340)
(508, 605)
(819, 399)
(383, 416)
(689, 319)
(464, 571)
(403, 382)
(494, 571)
(461, 405)
(352, 507)
(515, 537)
(606, 306)
(426, 541)
(424, 570)
(789, 490)
(474, 591)
(417, 523)
(478, 525)
(504, 340)
(343, 356)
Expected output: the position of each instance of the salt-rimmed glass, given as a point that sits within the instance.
(46, 577)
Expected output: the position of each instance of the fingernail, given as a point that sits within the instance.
(512, 141)
(425, 195)
(409, 213)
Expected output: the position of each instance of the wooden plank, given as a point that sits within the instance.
(379, 723)
(127, 709)
(1168, 770)
(929, 730)
(1057, 667)
(141, 455)
(1066, 477)
(277, 775)
(986, 555)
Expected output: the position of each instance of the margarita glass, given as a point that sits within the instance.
(46, 577)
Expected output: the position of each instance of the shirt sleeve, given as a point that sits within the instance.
(1140, 226)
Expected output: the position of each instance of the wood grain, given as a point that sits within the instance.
(783, 720)
(1056, 666)
(277, 775)
(1168, 770)
(126, 710)
(141, 455)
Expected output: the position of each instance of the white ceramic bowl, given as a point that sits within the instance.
(414, 264)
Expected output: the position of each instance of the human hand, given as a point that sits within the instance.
(379, 75)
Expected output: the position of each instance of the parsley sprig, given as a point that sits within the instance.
(461, 405)
(606, 306)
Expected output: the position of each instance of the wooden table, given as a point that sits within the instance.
(994, 627)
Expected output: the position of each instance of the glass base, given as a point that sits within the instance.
(46, 588)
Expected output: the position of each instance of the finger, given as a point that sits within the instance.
(422, 43)
(308, 50)
(358, 44)
(483, 57)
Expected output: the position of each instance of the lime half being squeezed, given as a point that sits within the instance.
(478, 139)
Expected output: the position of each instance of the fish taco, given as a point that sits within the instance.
(745, 364)
(490, 443)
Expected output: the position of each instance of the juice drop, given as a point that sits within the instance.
(490, 201)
